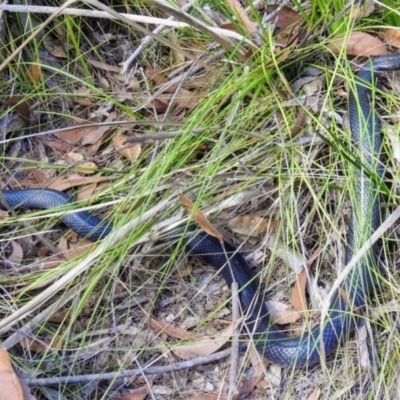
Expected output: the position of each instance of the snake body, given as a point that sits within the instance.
(276, 345)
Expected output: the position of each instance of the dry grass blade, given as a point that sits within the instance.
(182, 16)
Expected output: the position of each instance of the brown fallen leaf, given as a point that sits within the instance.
(86, 135)
(59, 146)
(251, 225)
(298, 298)
(257, 361)
(82, 247)
(41, 346)
(315, 394)
(133, 84)
(238, 10)
(159, 79)
(160, 106)
(207, 345)
(281, 313)
(300, 124)
(103, 66)
(86, 192)
(34, 72)
(138, 394)
(248, 385)
(54, 46)
(286, 17)
(201, 82)
(65, 182)
(200, 218)
(182, 97)
(10, 388)
(391, 37)
(54, 260)
(358, 44)
(51, 262)
(171, 331)
(285, 44)
(83, 96)
(60, 316)
(22, 108)
(131, 152)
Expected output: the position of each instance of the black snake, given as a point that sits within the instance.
(271, 341)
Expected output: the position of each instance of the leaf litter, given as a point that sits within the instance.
(156, 97)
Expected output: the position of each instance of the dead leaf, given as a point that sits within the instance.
(9, 383)
(299, 125)
(286, 17)
(315, 254)
(257, 361)
(103, 66)
(298, 300)
(41, 346)
(85, 97)
(74, 157)
(22, 108)
(59, 146)
(51, 262)
(182, 97)
(65, 182)
(34, 72)
(160, 79)
(76, 250)
(248, 385)
(358, 44)
(315, 394)
(131, 152)
(251, 225)
(284, 45)
(68, 252)
(391, 37)
(86, 192)
(17, 254)
(281, 313)
(54, 47)
(160, 106)
(207, 345)
(133, 85)
(86, 135)
(60, 316)
(200, 218)
(171, 331)
(87, 167)
(138, 394)
(238, 10)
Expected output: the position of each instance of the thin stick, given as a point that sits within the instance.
(105, 15)
(130, 373)
(235, 343)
